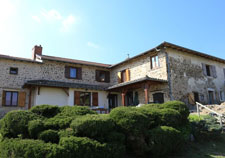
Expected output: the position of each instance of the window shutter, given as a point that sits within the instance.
(67, 72)
(97, 74)
(191, 98)
(119, 77)
(204, 69)
(22, 99)
(127, 75)
(224, 72)
(76, 98)
(107, 76)
(95, 98)
(213, 70)
(3, 98)
(79, 73)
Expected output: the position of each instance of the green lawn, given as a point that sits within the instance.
(208, 149)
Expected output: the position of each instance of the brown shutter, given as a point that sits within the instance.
(95, 98)
(204, 69)
(22, 99)
(67, 72)
(97, 74)
(76, 98)
(213, 70)
(191, 98)
(119, 77)
(107, 76)
(127, 75)
(79, 73)
(3, 98)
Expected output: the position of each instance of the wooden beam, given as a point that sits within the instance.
(123, 98)
(146, 90)
(66, 90)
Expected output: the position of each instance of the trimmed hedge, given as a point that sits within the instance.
(15, 123)
(49, 136)
(45, 110)
(35, 127)
(73, 111)
(58, 122)
(93, 126)
(164, 140)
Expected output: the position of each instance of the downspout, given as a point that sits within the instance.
(169, 75)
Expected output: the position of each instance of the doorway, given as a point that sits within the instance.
(113, 103)
(211, 97)
(129, 99)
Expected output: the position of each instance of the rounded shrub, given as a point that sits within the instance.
(169, 117)
(164, 140)
(66, 133)
(73, 111)
(49, 136)
(15, 123)
(45, 110)
(129, 119)
(58, 122)
(35, 127)
(93, 126)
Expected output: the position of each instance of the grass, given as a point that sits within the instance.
(207, 149)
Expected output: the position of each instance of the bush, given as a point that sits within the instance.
(58, 122)
(66, 133)
(45, 110)
(164, 140)
(35, 127)
(73, 111)
(205, 127)
(93, 126)
(49, 136)
(16, 123)
(130, 120)
(28, 148)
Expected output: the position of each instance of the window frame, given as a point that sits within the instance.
(208, 70)
(123, 76)
(11, 98)
(102, 72)
(83, 99)
(154, 63)
(15, 69)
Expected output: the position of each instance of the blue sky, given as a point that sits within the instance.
(106, 31)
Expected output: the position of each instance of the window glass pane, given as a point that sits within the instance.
(73, 72)
(102, 76)
(87, 101)
(14, 98)
(13, 70)
(8, 98)
(157, 61)
(153, 62)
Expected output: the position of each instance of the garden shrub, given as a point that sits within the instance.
(45, 110)
(28, 148)
(164, 140)
(66, 132)
(16, 123)
(93, 126)
(169, 117)
(35, 127)
(73, 111)
(205, 127)
(49, 136)
(58, 122)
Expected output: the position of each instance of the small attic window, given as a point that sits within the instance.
(13, 70)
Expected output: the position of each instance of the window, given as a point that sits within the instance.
(196, 96)
(154, 62)
(102, 76)
(208, 70)
(222, 97)
(158, 98)
(123, 76)
(85, 98)
(11, 98)
(211, 97)
(73, 72)
(13, 71)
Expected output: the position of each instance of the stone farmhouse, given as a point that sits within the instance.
(166, 72)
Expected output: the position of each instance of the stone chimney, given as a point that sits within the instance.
(37, 50)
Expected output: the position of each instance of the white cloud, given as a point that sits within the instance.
(66, 22)
(93, 45)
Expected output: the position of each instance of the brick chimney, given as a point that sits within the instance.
(37, 50)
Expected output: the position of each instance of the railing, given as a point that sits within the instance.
(214, 112)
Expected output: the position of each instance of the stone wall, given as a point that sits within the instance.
(187, 76)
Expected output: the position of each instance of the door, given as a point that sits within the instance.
(129, 99)
(211, 97)
(112, 101)
(158, 98)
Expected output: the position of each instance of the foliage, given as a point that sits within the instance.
(35, 127)
(72, 111)
(66, 132)
(58, 122)
(164, 140)
(45, 110)
(49, 136)
(16, 123)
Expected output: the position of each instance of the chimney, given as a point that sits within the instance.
(37, 50)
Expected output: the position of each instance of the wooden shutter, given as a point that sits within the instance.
(95, 98)
(213, 70)
(67, 72)
(191, 98)
(127, 75)
(76, 98)
(79, 73)
(119, 77)
(204, 69)
(107, 76)
(22, 99)
(97, 75)
(3, 98)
